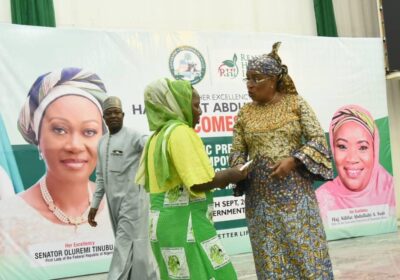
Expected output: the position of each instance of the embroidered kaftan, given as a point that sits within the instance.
(118, 158)
(285, 228)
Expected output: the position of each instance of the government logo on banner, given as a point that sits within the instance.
(187, 63)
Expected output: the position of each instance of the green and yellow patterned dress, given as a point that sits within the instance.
(182, 234)
(285, 227)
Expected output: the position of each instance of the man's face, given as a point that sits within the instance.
(114, 118)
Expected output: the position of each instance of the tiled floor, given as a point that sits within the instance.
(369, 258)
(363, 258)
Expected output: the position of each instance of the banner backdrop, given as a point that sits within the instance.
(10, 180)
(328, 72)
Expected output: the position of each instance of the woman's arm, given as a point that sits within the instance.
(314, 156)
(222, 179)
(192, 164)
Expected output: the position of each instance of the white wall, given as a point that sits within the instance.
(283, 16)
(5, 11)
(356, 18)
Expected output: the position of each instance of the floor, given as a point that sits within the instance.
(363, 258)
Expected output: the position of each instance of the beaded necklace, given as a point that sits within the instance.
(58, 212)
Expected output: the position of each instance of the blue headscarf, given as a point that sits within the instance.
(51, 86)
(271, 65)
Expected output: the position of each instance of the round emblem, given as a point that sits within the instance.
(187, 63)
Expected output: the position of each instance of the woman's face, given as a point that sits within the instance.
(354, 155)
(69, 133)
(261, 88)
(196, 110)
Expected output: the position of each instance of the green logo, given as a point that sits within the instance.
(187, 63)
(174, 265)
(229, 68)
(174, 194)
(216, 254)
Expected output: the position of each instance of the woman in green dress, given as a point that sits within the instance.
(281, 134)
(177, 172)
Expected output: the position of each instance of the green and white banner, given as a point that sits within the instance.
(328, 72)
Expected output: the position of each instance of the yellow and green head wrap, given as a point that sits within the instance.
(168, 104)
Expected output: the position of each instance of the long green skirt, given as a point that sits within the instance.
(184, 240)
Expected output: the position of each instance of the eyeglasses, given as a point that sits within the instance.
(256, 80)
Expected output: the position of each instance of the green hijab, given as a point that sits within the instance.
(168, 104)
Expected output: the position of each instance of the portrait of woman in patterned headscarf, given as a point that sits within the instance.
(280, 132)
(362, 181)
(62, 116)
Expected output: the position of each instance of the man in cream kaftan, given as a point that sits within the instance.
(119, 153)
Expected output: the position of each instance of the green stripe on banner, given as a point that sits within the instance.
(218, 149)
(225, 192)
(230, 224)
(30, 166)
(385, 155)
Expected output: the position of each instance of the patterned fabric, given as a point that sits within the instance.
(280, 137)
(352, 113)
(285, 228)
(182, 234)
(168, 105)
(271, 65)
(288, 242)
(50, 86)
(184, 240)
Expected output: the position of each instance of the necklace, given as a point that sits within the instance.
(58, 212)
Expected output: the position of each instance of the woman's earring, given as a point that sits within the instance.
(40, 154)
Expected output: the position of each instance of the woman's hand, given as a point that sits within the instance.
(91, 216)
(282, 168)
(237, 174)
(222, 179)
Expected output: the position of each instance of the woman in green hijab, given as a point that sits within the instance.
(177, 172)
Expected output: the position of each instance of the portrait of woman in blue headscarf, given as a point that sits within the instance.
(62, 116)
